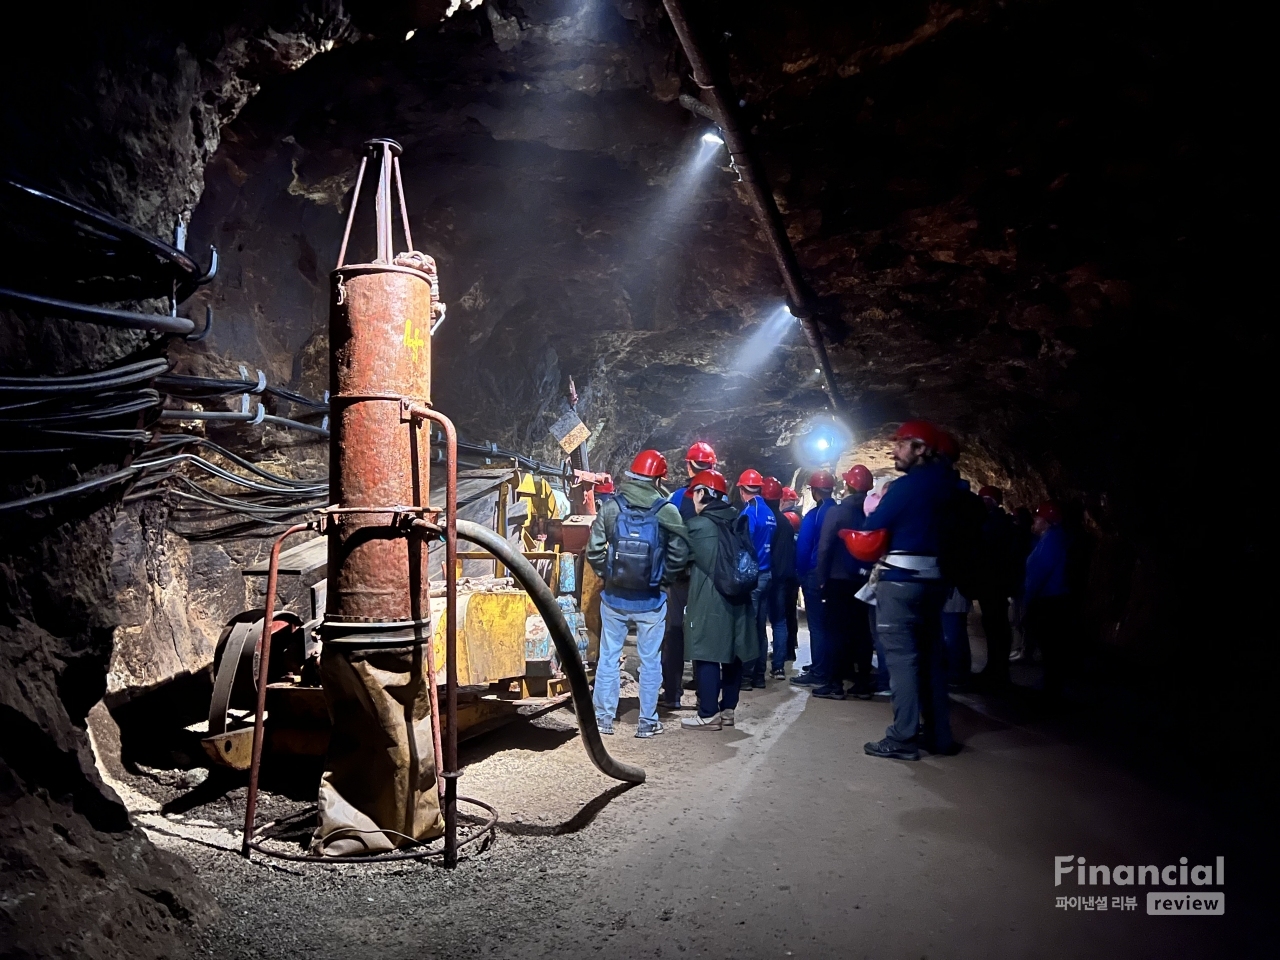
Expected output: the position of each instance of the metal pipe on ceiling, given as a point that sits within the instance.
(724, 114)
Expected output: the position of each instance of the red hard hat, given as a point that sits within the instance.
(605, 485)
(751, 478)
(789, 494)
(858, 478)
(822, 480)
(921, 430)
(866, 545)
(773, 489)
(712, 479)
(702, 454)
(948, 446)
(794, 518)
(649, 463)
(992, 493)
(1050, 512)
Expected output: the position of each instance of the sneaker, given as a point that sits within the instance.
(701, 723)
(676, 705)
(745, 684)
(882, 693)
(606, 726)
(889, 750)
(805, 680)
(777, 674)
(726, 717)
(862, 693)
(646, 730)
(831, 691)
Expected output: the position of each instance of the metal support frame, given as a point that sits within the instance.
(722, 111)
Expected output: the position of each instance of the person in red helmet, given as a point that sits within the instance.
(699, 457)
(719, 633)
(1047, 594)
(790, 507)
(790, 504)
(637, 545)
(840, 576)
(821, 485)
(948, 447)
(784, 585)
(763, 525)
(910, 593)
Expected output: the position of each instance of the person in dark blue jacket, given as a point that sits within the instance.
(840, 576)
(1047, 595)
(762, 524)
(910, 593)
(782, 578)
(820, 672)
(700, 457)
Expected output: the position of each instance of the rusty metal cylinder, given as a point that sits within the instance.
(379, 331)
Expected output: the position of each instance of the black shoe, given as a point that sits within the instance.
(950, 751)
(805, 680)
(889, 750)
(666, 705)
(831, 691)
(861, 694)
(758, 684)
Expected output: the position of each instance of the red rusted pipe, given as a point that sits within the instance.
(264, 657)
(450, 760)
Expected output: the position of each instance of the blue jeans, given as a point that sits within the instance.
(778, 594)
(650, 625)
(767, 600)
(822, 667)
(717, 685)
(909, 625)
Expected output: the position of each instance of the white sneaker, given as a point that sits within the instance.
(701, 723)
(726, 717)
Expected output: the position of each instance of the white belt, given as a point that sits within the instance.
(924, 567)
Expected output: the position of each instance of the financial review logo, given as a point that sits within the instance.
(1180, 884)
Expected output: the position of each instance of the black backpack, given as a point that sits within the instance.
(737, 569)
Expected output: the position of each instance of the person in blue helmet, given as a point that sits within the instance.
(909, 593)
(700, 457)
(822, 669)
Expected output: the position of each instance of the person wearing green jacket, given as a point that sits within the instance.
(637, 546)
(718, 635)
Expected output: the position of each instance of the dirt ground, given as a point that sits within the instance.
(778, 838)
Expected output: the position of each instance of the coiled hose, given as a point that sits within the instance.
(566, 646)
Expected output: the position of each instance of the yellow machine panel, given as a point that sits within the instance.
(491, 629)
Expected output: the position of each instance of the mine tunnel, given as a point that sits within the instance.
(575, 478)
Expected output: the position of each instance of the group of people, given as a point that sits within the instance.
(880, 570)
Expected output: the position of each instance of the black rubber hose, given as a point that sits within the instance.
(565, 643)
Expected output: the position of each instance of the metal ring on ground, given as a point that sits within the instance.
(489, 826)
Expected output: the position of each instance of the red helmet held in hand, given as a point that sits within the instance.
(866, 545)
(751, 478)
(822, 480)
(605, 485)
(772, 489)
(859, 478)
(921, 430)
(1050, 513)
(994, 494)
(712, 480)
(649, 464)
(701, 455)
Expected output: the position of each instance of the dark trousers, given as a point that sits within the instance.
(823, 666)
(995, 624)
(791, 602)
(882, 662)
(717, 685)
(673, 642)
(909, 624)
(955, 637)
(1049, 621)
(849, 632)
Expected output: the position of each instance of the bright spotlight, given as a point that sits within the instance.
(821, 441)
(712, 138)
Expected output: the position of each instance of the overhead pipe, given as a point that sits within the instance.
(724, 114)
